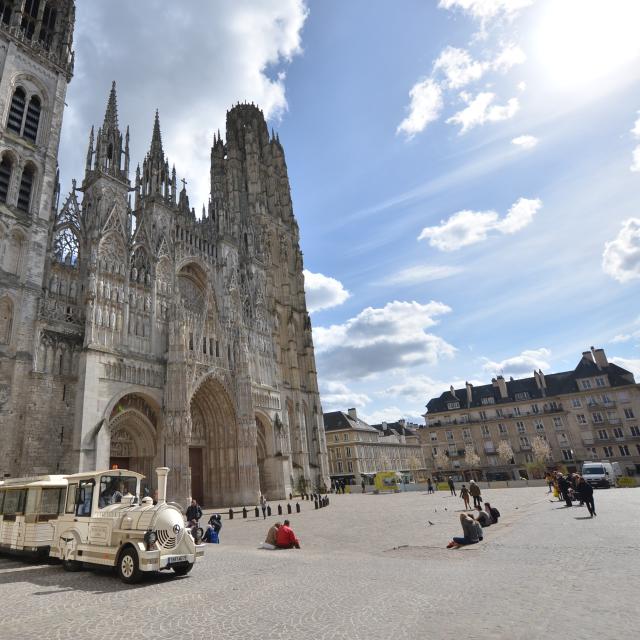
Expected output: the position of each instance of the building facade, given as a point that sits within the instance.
(359, 450)
(590, 413)
(131, 331)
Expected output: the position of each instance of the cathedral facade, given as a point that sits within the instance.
(133, 332)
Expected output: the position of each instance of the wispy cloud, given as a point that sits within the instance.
(525, 142)
(522, 364)
(470, 227)
(421, 273)
(487, 9)
(480, 109)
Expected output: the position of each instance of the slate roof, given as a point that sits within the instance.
(557, 384)
(340, 420)
(395, 427)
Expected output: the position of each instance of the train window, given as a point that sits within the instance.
(51, 503)
(32, 501)
(70, 506)
(85, 498)
(14, 503)
(1, 500)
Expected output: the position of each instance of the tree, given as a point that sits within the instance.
(471, 458)
(414, 465)
(541, 453)
(441, 460)
(505, 452)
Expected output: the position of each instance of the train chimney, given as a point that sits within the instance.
(162, 473)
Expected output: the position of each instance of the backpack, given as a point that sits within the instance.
(495, 514)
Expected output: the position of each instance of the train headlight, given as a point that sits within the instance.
(150, 538)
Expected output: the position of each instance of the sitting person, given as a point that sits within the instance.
(285, 538)
(194, 513)
(212, 534)
(482, 517)
(492, 511)
(272, 534)
(472, 532)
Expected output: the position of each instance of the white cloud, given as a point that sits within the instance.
(323, 292)
(481, 109)
(519, 216)
(470, 227)
(391, 414)
(520, 365)
(509, 57)
(635, 164)
(425, 107)
(522, 86)
(170, 48)
(337, 396)
(630, 364)
(624, 337)
(525, 141)
(458, 67)
(421, 273)
(381, 339)
(487, 9)
(621, 257)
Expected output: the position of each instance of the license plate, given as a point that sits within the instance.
(177, 559)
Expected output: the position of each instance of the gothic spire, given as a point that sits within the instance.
(156, 139)
(111, 114)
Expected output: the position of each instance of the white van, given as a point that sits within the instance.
(602, 474)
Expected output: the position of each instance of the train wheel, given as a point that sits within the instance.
(128, 568)
(183, 569)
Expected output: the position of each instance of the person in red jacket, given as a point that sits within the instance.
(285, 538)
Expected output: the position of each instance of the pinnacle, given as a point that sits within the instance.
(111, 114)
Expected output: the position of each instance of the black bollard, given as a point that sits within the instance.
(288, 507)
(268, 510)
(290, 497)
(244, 512)
(257, 512)
(316, 504)
(297, 507)
(327, 498)
(230, 513)
(279, 509)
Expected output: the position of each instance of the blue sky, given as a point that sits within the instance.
(466, 173)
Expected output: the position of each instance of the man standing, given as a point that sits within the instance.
(452, 486)
(194, 513)
(362, 484)
(285, 538)
(474, 490)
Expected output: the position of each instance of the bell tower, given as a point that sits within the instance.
(36, 65)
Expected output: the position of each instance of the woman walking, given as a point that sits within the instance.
(464, 494)
(474, 490)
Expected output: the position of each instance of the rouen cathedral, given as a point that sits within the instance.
(133, 332)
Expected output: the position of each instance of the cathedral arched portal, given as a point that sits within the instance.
(270, 461)
(213, 446)
(133, 430)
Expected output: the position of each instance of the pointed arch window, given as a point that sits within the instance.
(30, 17)
(6, 168)
(16, 110)
(5, 11)
(6, 320)
(66, 247)
(33, 119)
(26, 185)
(48, 27)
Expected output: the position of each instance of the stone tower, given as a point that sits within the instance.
(36, 60)
(156, 337)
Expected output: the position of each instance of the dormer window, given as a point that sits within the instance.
(522, 395)
(488, 400)
(453, 405)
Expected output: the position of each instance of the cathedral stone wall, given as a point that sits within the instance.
(135, 333)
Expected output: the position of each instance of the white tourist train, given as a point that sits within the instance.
(97, 518)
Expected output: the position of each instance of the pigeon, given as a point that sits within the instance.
(429, 521)
(445, 509)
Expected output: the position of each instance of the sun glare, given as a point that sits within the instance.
(579, 42)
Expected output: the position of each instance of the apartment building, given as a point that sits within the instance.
(589, 413)
(359, 450)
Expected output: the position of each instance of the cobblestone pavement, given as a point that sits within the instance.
(370, 567)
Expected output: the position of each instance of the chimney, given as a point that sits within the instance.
(162, 473)
(502, 386)
(352, 413)
(536, 377)
(453, 391)
(600, 358)
(588, 355)
(543, 382)
(469, 393)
